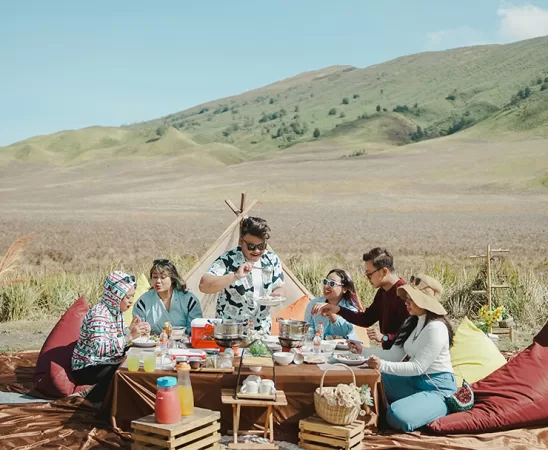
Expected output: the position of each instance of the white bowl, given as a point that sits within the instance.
(328, 347)
(283, 358)
(255, 368)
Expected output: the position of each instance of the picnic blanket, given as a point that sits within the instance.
(70, 423)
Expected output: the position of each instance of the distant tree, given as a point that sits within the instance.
(226, 133)
(271, 101)
(296, 108)
(450, 97)
(345, 101)
(161, 130)
(401, 109)
(356, 96)
(332, 112)
(378, 108)
(316, 133)
(203, 110)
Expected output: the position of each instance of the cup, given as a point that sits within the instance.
(133, 360)
(255, 378)
(250, 387)
(267, 387)
(149, 360)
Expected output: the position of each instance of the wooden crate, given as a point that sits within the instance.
(196, 432)
(317, 434)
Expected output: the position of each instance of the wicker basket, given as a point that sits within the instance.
(334, 414)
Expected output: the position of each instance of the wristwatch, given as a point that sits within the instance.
(385, 338)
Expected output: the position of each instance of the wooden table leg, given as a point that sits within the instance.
(237, 423)
(271, 420)
(234, 424)
(267, 420)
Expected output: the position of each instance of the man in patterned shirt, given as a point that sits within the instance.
(243, 274)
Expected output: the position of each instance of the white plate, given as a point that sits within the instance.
(350, 359)
(270, 301)
(143, 342)
(314, 359)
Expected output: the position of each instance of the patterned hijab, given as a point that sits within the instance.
(116, 286)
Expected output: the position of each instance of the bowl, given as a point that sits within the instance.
(283, 358)
(195, 362)
(328, 347)
(255, 368)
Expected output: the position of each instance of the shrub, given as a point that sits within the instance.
(345, 101)
(161, 130)
(342, 114)
(203, 110)
(271, 101)
(378, 108)
(384, 110)
(356, 96)
(401, 109)
(316, 133)
(450, 97)
(296, 108)
(544, 86)
(332, 112)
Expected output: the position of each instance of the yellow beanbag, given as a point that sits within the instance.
(473, 355)
(142, 286)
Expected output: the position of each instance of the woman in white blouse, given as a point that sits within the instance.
(417, 373)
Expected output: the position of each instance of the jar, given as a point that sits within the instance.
(186, 395)
(167, 408)
(211, 361)
(224, 361)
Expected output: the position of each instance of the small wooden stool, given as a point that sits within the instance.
(317, 434)
(228, 397)
(198, 431)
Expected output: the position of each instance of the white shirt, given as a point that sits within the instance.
(427, 347)
(257, 276)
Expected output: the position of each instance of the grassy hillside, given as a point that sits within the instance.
(440, 92)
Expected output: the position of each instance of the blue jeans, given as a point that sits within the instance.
(414, 401)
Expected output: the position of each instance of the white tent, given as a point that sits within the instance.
(294, 289)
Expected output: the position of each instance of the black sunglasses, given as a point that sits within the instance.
(414, 280)
(129, 279)
(160, 261)
(252, 247)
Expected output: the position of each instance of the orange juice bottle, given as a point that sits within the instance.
(184, 389)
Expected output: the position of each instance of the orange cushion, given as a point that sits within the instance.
(294, 311)
(53, 374)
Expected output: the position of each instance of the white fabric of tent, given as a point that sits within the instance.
(294, 289)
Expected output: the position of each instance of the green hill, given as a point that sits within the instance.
(471, 88)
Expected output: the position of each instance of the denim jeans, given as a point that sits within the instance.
(415, 401)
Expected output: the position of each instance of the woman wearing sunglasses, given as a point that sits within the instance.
(103, 338)
(417, 373)
(243, 274)
(338, 289)
(168, 300)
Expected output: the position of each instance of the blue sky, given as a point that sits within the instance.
(72, 64)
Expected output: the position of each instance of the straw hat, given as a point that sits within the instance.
(425, 291)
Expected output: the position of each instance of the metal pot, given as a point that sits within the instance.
(293, 329)
(229, 329)
(290, 343)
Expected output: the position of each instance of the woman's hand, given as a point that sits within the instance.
(374, 334)
(138, 328)
(325, 309)
(355, 347)
(374, 362)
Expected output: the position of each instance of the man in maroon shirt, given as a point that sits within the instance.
(387, 308)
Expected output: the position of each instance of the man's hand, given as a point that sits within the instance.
(243, 270)
(355, 347)
(374, 334)
(325, 309)
(374, 362)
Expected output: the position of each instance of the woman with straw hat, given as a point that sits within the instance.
(417, 373)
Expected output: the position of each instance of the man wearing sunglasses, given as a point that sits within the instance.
(245, 273)
(387, 308)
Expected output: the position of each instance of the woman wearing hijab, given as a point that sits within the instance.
(417, 373)
(103, 337)
(168, 300)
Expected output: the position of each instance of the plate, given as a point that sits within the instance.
(270, 301)
(350, 359)
(342, 345)
(314, 359)
(143, 342)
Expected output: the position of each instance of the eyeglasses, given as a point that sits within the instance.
(160, 261)
(331, 283)
(252, 247)
(369, 275)
(414, 280)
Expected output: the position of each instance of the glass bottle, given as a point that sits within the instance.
(184, 389)
(317, 342)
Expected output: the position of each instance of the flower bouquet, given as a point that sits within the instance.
(342, 404)
(489, 317)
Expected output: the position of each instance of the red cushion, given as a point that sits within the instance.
(514, 396)
(52, 376)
